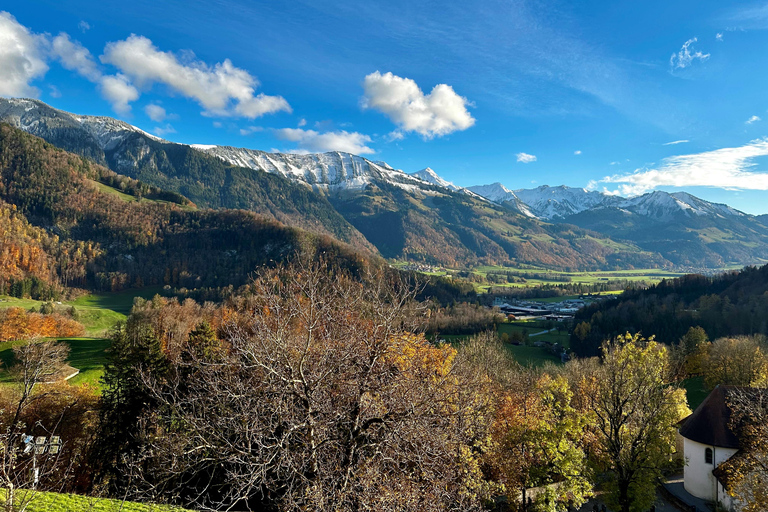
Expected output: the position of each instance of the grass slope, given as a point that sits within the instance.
(54, 502)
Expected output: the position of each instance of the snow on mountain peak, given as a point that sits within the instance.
(430, 176)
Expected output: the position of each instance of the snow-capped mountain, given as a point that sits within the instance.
(559, 202)
(663, 206)
(39, 119)
(495, 192)
(334, 170)
(431, 176)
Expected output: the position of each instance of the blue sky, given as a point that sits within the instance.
(619, 96)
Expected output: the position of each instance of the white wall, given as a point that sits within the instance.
(698, 477)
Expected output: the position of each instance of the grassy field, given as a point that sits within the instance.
(54, 502)
(98, 313)
(86, 354)
(539, 276)
(523, 354)
(132, 199)
(562, 338)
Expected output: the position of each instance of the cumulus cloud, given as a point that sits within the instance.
(752, 119)
(438, 113)
(577, 152)
(525, 158)
(118, 90)
(75, 57)
(22, 58)
(727, 168)
(675, 142)
(84, 26)
(155, 112)
(313, 141)
(686, 55)
(221, 89)
(302, 122)
(719, 37)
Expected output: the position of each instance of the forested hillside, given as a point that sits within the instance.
(457, 229)
(733, 303)
(63, 226)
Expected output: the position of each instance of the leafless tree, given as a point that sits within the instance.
(324, 399)
(27, 463)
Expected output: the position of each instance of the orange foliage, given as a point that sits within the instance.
(17, 324)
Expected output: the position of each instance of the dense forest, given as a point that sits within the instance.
(733, 303)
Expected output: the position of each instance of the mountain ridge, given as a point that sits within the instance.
(417, 216)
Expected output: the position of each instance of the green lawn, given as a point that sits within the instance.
(532, 356)
(98, 312)
(525, 355)
(86, 354)
(563, 338)
(54, 502)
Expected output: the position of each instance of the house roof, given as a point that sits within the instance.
(709, 422)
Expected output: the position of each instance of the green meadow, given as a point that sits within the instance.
(54, 502)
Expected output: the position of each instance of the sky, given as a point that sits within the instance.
(621, 97)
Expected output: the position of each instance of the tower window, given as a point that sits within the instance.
(708, 456)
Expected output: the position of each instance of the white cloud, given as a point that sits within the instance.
(217, 124)
(752, 119)
(438, 113)
(155, 112)
(251, 129)
(577, 152)
(525, 158)
(719, 37)
(395, 135)
(118, 90)
(221, 89)
(162, 131)
(313, 141)
(686, 56)
(22, 58)
(727, 168)
(302, 122)
(675, 142)
(84, 26)
(54, 91)
(75, 57)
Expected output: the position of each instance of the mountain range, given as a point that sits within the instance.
(418, 216)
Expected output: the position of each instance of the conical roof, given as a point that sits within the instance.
(709, 423)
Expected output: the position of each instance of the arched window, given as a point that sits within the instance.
(708, 456)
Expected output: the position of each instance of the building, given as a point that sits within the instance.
(708, 442)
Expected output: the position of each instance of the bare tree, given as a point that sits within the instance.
(27, 461)
(746, 473)
(324, 399)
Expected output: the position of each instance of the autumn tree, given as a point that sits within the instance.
(746, 473)
(737, 361)
(320, 397)
(634, 411)
(537, 434)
